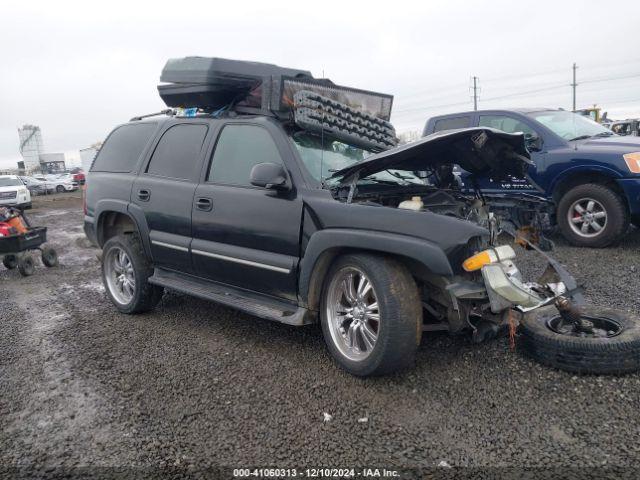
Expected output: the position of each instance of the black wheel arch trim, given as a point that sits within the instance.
(132, 211)
(422, 251)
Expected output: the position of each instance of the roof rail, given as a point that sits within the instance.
(168, 111)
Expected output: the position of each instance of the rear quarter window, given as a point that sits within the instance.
(452, 123)
(123, 148)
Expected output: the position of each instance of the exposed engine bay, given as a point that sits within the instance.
(528, 215)
(489, 288)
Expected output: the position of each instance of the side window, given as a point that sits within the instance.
(451, 123)
(178, 152)
(239, 148)
(123, 147)
(505, 123)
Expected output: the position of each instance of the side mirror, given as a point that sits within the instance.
(269, 175)
(533, 142)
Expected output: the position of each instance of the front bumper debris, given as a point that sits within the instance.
(506, 289)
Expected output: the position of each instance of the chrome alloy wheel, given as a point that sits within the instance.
(119, 275)
(352, 313)
(587, 217)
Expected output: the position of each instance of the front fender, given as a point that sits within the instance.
(422, 251)
(581, 169)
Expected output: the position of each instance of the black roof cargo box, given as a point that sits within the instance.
(254, 87)
(212, 83)
(223, 72)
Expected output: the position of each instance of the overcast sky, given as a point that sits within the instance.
(76, 69)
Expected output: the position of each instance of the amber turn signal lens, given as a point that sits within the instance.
(633, 161)
(479, 260)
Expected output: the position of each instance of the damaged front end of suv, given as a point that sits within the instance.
(486, 285)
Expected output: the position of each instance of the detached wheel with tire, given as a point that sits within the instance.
(371, 314)
(612, 346)
(592, 215)
(125, 273)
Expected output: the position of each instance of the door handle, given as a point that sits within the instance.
(144, 195)
(204, 204)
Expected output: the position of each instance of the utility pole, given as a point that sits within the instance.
(574, 85)
(475, 93)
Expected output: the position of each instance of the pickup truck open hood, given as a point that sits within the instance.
(479, 151)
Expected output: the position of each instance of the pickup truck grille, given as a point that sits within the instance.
(8, 194)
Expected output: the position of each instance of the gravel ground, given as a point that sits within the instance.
(194, 384)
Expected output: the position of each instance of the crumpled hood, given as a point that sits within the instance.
(480, 151)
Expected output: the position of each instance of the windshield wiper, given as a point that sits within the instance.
(380, 180)
(405, 178)
(580, 137)
(604, 134)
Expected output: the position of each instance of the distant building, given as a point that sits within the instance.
(86, 157)
(52, 162)
(31, 146)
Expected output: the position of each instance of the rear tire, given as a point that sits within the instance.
(610, 355)
(608, 212)
(136, 294)
(360, 344)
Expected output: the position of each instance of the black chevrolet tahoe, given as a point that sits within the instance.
(300, 218)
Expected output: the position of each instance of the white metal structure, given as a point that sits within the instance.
(31, 145)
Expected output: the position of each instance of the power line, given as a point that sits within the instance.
(607, 79)
(500, 97)
(516, 94)
(530, 75)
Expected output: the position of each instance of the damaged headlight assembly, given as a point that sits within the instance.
(504, 284)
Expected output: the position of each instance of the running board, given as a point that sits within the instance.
(252, 303)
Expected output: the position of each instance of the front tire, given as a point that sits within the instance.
(125, 273)
(371, 314)
(592, 215)
(59, 189)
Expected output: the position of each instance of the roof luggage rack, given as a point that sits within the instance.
(168, 111)
(317, 105)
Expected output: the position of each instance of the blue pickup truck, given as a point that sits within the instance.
(592, 174)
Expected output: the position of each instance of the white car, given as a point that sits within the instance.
(60, 184)
(38, 187)
(13, 192)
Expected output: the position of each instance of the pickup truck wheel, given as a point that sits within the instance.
(611, 347)
(592, 215)
(125, 273)
(371, 314)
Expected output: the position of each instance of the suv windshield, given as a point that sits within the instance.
(569, 125)
(323, 158)
(10, 182)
